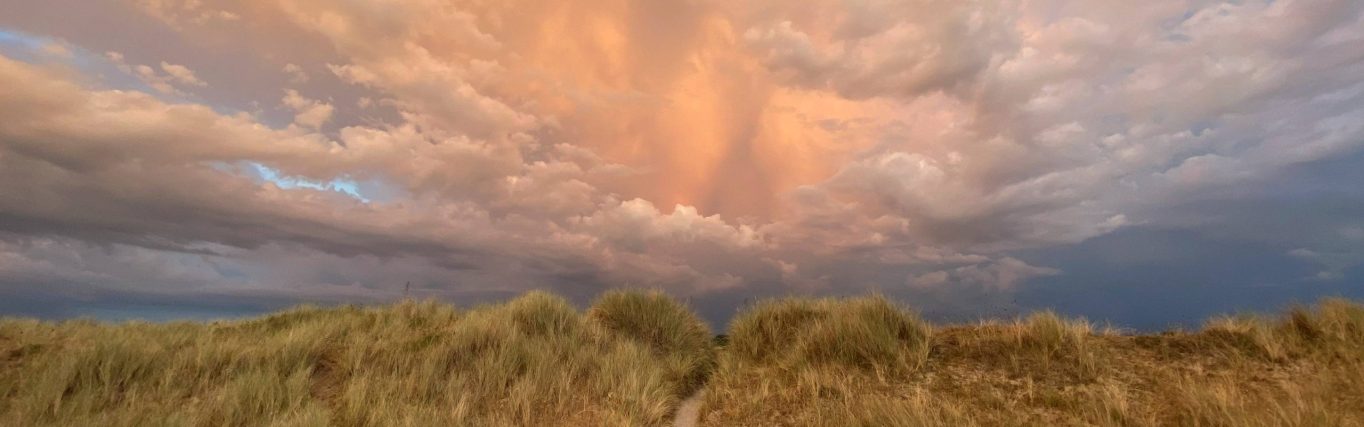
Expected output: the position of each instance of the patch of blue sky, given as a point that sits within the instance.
(36, 49)
(368, 191)
(341, 185)
(31, 48)
(8, 36)
(373, 190)
(20, 46)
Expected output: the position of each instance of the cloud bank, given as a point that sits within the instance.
(707, 148)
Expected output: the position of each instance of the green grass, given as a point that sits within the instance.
(630, 358)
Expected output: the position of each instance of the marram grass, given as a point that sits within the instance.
(863, 362)
(630, 358)
(532, 361)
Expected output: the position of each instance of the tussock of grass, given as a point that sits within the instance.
(772, 328)
(805, 362)
(867, 333)
(1050, 335)
(1051, 340)
(532, 361)
(1249, 334)
(672, 331)
(1333, 329)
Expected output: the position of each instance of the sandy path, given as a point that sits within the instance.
(689, 411)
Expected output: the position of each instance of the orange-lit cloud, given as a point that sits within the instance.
(676, 90)
(701, 146)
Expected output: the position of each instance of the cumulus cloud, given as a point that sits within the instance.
(296, 73)
(698, 146)
(309, 113)
(636, 222)
(868, 49)
(182, 12)
(164, 81)
(1002, 274)
(64, 182)
(181, 74)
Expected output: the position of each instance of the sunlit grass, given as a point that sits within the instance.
(532, 361)
(630, 358)
(1304, 368)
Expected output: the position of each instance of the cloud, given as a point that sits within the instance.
(1332, 264)
(699, 146)
(1353, 232)
(307, 112)
(174, 75)
(181, 74)
(296, 73)
(61, 181)
(1002, 274)
(181, 12)
(886, 48)
(724, 119)
(636, 222)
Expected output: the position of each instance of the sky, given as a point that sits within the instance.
(1147, 164)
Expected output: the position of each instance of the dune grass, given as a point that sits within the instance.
(631, 357)
(675, 334)
(1304, 368)
(532, 361)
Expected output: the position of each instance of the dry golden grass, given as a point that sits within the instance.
(1303, 369)
(532, 361)
(631, 357)
(677, 337)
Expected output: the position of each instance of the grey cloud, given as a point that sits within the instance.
(1003, 274)
(890, 48)
(1067, 136)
